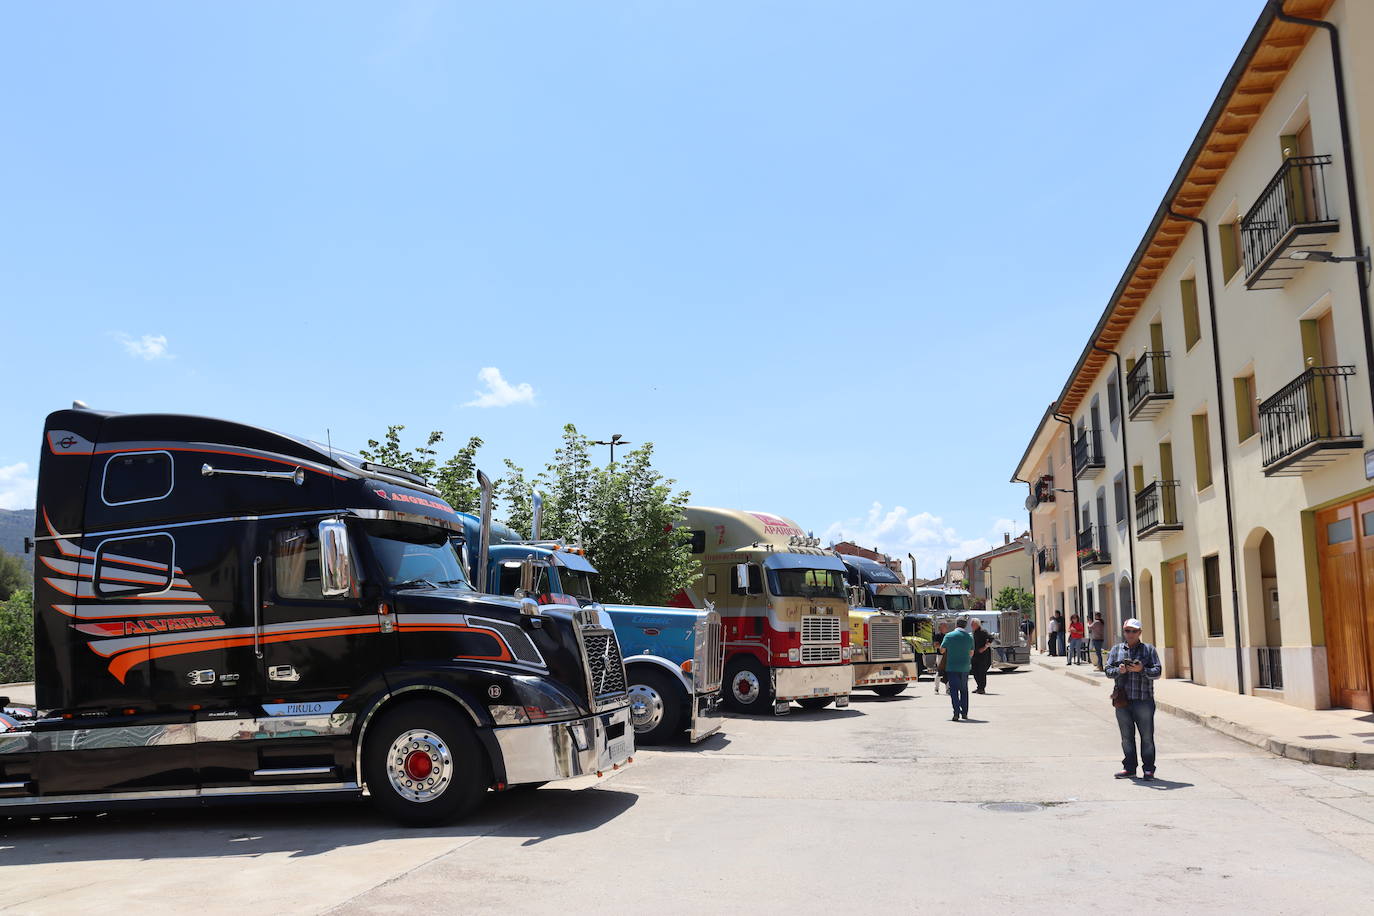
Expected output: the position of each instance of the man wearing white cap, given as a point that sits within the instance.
(1134, 665)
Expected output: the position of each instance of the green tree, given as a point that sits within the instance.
(13, 576)
(455, 479)
(16, 637)
(624, 515)
(1011, 598)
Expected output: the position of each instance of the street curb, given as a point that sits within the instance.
(1293, 750)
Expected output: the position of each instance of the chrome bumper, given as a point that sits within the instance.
(706, 716)
(562, 750)
(820, 681)
(873, 674)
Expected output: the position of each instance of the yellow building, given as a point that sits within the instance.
(1046, 467)
(1224, 404)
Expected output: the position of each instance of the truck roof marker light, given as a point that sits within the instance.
(195, 707)
(129, 712)
(341, 696)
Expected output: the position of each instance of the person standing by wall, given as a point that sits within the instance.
(1056, 627)
(1075, 639)
(1097, 635)
(1134, 665)
(982, 654)
(957, 648)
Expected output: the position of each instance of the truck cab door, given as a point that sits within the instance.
(318, 637)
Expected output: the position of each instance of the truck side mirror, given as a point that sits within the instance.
(742, 578)
(336, 559)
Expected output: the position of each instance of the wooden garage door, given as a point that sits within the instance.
(1347, 576)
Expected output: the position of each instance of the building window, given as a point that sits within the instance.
(1119, 492)
(1211, 575)
(1229, 235)
(142, 564)
(1113, 399)
(1202, 452)
(1247, 408)
(1192, 330)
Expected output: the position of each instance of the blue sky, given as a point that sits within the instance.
(834, 259)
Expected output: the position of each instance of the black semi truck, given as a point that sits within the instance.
(224, 612)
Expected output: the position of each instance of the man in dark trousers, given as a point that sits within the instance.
(1134, 665)
(982, 654)
(957, 648)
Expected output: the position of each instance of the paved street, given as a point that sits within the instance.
(886, 805)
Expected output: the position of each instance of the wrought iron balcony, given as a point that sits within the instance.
(1307, 422)
(1087, 454)
(1041, 492)
(1047, 559)
(1147, 386)
(1092, 547)
(1156, 510)
(1292, 212)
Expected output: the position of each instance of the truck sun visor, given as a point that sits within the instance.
(802, 561)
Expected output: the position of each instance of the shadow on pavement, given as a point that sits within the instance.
(681, 745)
(300, 829)
(862, 698)
(1161, 785)
(798, 714)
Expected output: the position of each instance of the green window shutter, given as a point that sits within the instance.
(1192, 332)
(1245, 425)
(1229, 262)
(1202, 452)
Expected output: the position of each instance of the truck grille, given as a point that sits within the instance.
(820, 639)
(605, 668)
(708, 656)
(884, 639)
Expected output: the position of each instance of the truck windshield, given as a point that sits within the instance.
(416, 556)
(892, 602)
(807, 583)
(575, 583)
(955, 603)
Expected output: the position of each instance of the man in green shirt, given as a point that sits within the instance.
(957, 648)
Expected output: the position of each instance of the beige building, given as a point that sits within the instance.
(1047, 469)
(1222, 407)
(1009, 568)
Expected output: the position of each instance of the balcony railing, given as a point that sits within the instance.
(1087, 453)
(1307, 422)
(1047, 558)
(1156, 509)
(1270, 668)
(1041, 492)
(1291, 212)
(1092, 547)
(1147, 386)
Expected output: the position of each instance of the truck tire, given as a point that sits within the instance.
(423, 764)
(814, 703)
(656, 704)
(889, 690)
(746, 686)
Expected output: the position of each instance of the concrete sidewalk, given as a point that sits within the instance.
(1331, 737)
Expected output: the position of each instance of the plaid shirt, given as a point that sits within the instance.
(1139, 685)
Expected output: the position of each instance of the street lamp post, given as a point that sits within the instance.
(612, 442)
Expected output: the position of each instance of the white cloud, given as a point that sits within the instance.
(500, 393)
(897, 532)
(18, 488)
(149, 346)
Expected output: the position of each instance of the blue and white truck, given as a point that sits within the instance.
(673, 656)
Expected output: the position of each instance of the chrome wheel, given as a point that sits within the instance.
(419, 765)
(745, 687)
(646, 707)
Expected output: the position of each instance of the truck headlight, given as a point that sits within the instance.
(538, 701)
(794, 654)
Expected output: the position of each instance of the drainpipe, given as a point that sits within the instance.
(1077, 560)
(1225, 447)
(1125, 462)
(1356, 232)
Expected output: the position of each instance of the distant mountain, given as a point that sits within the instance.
(15, 525)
